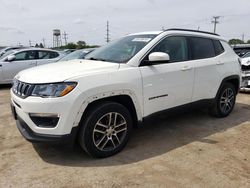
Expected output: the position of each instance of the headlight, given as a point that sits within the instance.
(53, 90)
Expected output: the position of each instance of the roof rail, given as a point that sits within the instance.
(197, 31)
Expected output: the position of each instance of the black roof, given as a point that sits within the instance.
(190, 30)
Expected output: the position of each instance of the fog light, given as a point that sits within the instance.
(44, 120)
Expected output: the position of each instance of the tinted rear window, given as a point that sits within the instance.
(202, 48)
(218, 47)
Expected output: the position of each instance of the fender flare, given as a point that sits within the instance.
(227, 79)
(104, 95)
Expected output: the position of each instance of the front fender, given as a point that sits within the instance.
(105, 95)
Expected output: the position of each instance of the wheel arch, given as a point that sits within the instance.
(233, 79)
(126, 98)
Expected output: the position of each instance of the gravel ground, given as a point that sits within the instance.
(186, 150)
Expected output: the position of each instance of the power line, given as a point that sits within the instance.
(215, 22)
(107, 34)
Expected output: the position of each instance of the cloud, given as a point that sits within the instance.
(78, 21)
(12, 30)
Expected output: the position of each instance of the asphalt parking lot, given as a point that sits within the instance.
(185, 150)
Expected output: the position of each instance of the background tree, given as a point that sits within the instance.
(235, 41)
(70, 45)
(41, 45)
(81, 44)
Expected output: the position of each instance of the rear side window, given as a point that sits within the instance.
(201, 48)
(218, 48)
(53, 55)
(47, 55)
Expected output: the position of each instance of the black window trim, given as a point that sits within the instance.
(187, 36)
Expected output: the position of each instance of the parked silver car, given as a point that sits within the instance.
(22, 59)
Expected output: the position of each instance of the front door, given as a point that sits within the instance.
(167, 85)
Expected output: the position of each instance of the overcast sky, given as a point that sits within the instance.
(24, 20)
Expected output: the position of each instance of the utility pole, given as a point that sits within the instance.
(30, 43)
(65, 37)
(107, 35)
(243, 37)
(43, 42)
(215, 22)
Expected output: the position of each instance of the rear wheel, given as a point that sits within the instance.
(225, 101)
(105, 130)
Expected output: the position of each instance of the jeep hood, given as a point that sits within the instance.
(61, 71)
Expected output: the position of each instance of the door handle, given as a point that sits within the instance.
(220, 63)
(186, 68)
(1, 65)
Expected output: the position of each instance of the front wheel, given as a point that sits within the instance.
(105, 130)
(225, 101)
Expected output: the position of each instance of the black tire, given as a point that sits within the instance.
(223, 104)
(93, 135)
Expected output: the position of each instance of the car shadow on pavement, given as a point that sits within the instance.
(157, 136)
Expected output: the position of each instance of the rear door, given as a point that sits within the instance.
(208, 66)
(45, 57)
(23, 60)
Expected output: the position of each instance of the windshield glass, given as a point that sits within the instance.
(122, 50)
(79, 54)
(246, 55)
(7, 53)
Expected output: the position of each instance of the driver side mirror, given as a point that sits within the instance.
(11, 58)
(158, 57)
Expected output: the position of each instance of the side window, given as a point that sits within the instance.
(27, 55)
(47, 55)
(175, 47)
(53, 55)
(218, 47)
(201, 48)
(43, 55)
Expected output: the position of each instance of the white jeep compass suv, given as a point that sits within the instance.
(98, 100)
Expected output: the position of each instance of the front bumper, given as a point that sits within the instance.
(34, 137)
(67, 108)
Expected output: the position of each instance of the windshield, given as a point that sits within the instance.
(122, 50)
(246, 55)
(79, 54)
(7, 53)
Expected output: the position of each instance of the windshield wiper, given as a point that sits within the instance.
(97, 59)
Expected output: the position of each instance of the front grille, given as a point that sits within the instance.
(21, 89)
(245, 67)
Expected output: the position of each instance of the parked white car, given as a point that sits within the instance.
(100, 99)
(23, 59)
(245, 66)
